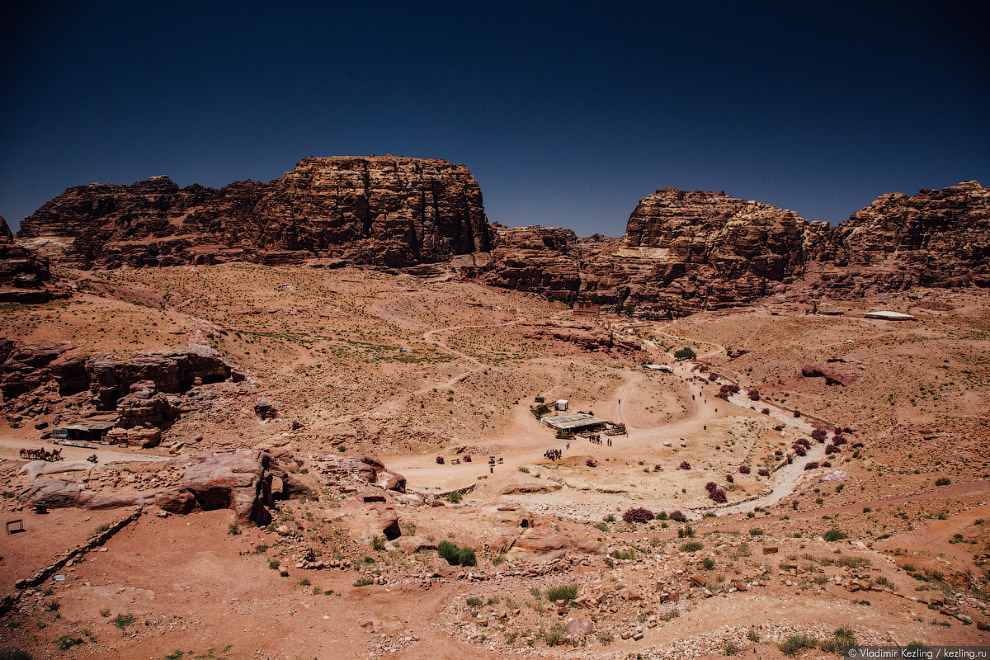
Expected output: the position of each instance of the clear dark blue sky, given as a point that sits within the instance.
(567, 113)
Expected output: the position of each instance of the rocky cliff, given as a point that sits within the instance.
(386, 211)
(684, 251)
(536, 259)
(22, 273)
(689, 250)
(934, 238)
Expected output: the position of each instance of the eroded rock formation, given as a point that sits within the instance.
(34, 378)
(684, 251)
(23, 274)
(935, 238)
(240, 480)
(385, 210)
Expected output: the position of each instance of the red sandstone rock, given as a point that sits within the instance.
(237, 480)
(578, 628)
(23, 274)
(383, 210)
(831, 376)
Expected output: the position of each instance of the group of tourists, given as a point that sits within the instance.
(553, 454)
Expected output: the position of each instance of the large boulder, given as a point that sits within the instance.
(237, 480)
(55, 494)
(831, 376)
(578, 628)
(541, 539)
(390, 480)
(366, 520)
(145, 406)
(366, 469)
(175, 500)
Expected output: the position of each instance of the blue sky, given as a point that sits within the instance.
(567, 113)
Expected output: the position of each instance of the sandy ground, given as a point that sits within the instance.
(404, 370)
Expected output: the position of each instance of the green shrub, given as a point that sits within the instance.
(121, 621)
(233, 529)
(685, 354)
(449, 551)
(841, 641)
(797, 643)
(378, 542)
(454, 497)
(567, 592)
(554, 636)
(756, 531)
(456, 556)
(943, 481)
(708, 563)
(467, 557)
(731, 648)
(834, 535)
(363, 582)
(473, 601)
(274, 564)
(692, 546)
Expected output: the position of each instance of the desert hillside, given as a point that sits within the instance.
(265, 444)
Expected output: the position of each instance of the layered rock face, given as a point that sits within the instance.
(34, 378)
(385, 211)
(935, 238)
(684, 251)
(537, 259)
(22, 273)
(688, 250)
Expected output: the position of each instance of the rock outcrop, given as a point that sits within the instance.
(23, 274)
(682, 251)
(588, 336)
(938, 238)
(685, 251)
(537, 259)
(366, 469)
(240, 480)
(689, 250)
(33, 377)
(831, 376)
(385, 211)
(145, 406)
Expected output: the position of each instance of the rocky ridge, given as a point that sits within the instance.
(384, 211)
(683, 251)
(52, 382)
